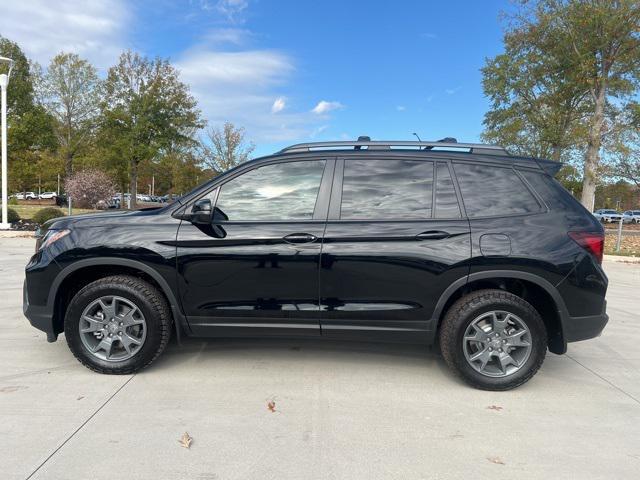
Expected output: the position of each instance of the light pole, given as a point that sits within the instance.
(4, 81)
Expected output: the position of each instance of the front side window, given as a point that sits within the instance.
(488, 190)
(386, 190)
(281, 191)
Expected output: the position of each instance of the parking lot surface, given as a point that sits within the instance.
(279, 409)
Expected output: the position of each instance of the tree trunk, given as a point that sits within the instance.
(68, 164)
(592, 156)
(133, 183)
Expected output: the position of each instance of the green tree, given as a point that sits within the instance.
(70, 91)
(587, 63)
(30, 127)
(146, 110)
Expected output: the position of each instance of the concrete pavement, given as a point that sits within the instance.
(342, 410)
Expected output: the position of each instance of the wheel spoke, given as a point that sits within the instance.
(129, 320)
(506, 360)
(484, 356)
(478, 336)
(515, 340)
(105, 344)
(108, 310)
(94, 324)
(127, 340)
(498, 325)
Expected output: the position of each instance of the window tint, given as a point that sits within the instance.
(446, 199)
(553, 194)
(282, 191)
(386, 189)
(493, 191)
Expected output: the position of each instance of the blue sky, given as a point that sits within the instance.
(293, 71)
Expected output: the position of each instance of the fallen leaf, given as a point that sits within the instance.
(494, 407)
(80, 398)
(271, 405)
(495, 460)
(185, 440)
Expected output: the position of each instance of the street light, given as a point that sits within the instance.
(4, 81)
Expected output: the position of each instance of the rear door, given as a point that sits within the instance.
(395, 240)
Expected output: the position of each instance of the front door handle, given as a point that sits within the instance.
(300, 238)
(432, 235)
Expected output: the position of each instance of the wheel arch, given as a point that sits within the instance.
(75, 276)
(539, 292)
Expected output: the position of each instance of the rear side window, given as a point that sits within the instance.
(282, 191)
(386, 189)
(556, 197)
(490, 191)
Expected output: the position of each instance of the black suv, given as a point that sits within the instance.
(458, 244)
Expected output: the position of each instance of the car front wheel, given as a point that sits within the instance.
(493, 339)
(118, 324)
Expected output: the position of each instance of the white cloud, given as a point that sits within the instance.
(451, 91)
(278, 105)
(239, 87)
(228, 36)
(401, 108)
(92, 29)
(325, 107)
(232, 9)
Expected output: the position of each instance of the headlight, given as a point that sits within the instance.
(50, 237)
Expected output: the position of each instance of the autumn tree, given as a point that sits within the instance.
(70, 90)
(146, 109)
(586, 56)
(224, 148)
(29, 126)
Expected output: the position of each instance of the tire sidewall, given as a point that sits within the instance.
(538, 340)
(90, 293)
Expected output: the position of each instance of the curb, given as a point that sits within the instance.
(16, 234)
(621, 259)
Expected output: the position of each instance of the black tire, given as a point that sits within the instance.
(146, 297)
(464, 311)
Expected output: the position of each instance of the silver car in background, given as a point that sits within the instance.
(631, 216)
(607, 216)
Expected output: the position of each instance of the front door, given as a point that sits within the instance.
(254, 270)
(395, 240)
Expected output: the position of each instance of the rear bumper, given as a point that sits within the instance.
(583, 328)
(40, 317)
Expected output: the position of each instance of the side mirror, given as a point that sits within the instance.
(201, 211)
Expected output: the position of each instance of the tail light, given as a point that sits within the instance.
(592, 242)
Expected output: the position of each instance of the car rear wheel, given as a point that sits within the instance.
(117, 324)
(493, 339)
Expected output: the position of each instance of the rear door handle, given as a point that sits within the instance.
(432, 235)
(300, 238)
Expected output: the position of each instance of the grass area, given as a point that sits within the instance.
(630, 245)
(27, 211)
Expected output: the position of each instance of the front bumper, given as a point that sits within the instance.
(41, 317)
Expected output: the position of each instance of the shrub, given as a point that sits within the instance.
(48, 213)
(89, 188)
(12, 216)
(12, 201)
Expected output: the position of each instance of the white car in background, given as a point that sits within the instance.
(25, 196)
(607, 215)
(631, 216)
(48, 195)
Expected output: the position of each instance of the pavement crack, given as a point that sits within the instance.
(80, 427)
(605, 380)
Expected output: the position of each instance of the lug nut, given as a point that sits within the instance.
(500, 350)
(490, 349)
(119, 334)
(121, 323)
(111, 334)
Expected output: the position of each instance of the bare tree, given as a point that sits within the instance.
(224, 148)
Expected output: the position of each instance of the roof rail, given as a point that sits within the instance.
(386, 145)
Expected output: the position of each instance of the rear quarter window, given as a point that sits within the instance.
(492, 191)
(551, 192)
